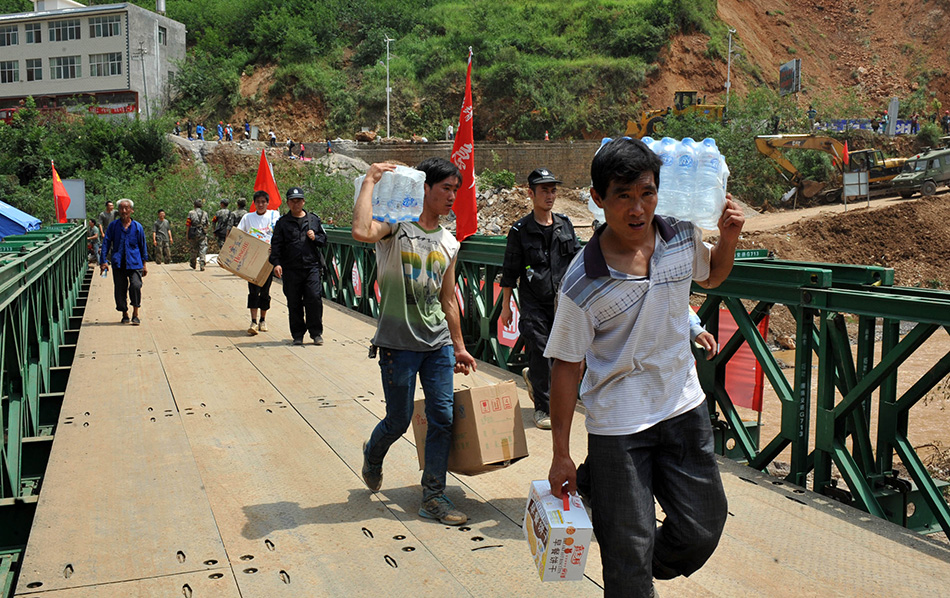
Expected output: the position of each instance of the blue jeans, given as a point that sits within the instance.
(674, 462)
(399, 369)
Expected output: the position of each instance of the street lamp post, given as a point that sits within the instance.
(140, 54)
(388, 88)
(729, 71)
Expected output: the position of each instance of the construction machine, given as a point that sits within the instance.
(880, 169)
(684, 102)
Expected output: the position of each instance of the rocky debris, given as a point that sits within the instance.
(366, 136)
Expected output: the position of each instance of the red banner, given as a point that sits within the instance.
(265, 182)
(60, 197)
(463, 156)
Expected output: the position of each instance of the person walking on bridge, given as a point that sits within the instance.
(125, 239)
(259, 223)
(540, 247)
(620, 307)
(419, 331)
(162, 239)
(197, 233)
(298, 260)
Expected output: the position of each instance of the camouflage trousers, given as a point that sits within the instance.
(199, 247)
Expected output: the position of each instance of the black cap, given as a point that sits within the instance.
(294, 193)
(541, 175)
(224, 202)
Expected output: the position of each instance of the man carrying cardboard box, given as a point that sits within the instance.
(259, 223)
(620, 306)
(418, 330)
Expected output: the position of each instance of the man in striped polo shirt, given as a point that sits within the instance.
(620, 307)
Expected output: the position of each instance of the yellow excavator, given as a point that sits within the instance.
(880, 169)
(684, 102)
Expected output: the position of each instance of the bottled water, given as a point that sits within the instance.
(649, 142)
(596, 212)
(409, 192)
(379, 206)
(664, 149)
(708, 196)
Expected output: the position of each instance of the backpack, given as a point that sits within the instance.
(198, 224)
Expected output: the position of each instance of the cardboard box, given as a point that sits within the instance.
(487, 429)
(559, 538)
(246, 256)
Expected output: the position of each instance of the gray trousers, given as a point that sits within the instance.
(674, 462)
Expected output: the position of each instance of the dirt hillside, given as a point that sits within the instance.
(875, 48)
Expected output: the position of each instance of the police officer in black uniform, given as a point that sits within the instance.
(297, 258)
(540, 247)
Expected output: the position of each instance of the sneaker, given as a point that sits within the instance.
(318, 340)
(527, 381)
(136, 321)
(298, 341)
(125, 319)
(373, 476)
(202, 268)
(542, 420)
(262, 326)
(252, 331)
(192, 264)
(441, 508)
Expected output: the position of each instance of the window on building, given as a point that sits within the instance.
(104, 26)
(104, 65)
(9, 71)
(65, 67)
(61, 31)
(162, 36)
(34, 33)
(34, 69)
(8, 35)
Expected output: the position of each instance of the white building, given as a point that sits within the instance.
(115, 58)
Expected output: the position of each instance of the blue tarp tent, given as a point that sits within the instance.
(15, 222)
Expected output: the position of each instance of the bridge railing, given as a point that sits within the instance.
(819, 297)
(41, 300)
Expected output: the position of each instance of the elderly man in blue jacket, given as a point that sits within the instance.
(125, 238)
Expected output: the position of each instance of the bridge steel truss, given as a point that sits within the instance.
(42, 295)
(821, 298)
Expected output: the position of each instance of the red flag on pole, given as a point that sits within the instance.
(463, 156)
(60, 197)
(844, 158)
(265, 182)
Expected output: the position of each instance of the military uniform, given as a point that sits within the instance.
(198, 236)
(536, 258)
(236, 216)
(222, 225)
(163, 250)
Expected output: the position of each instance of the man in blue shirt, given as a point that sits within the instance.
(125, 238)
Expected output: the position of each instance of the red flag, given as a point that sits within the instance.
(265, 182)
(844, 158)
(60, 197)
(463, 156)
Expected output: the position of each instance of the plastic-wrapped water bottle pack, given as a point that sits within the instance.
(693, 180)
(398, 195)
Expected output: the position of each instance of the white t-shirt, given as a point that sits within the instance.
(261, 226)
(632, 332)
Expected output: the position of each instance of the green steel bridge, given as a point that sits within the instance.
(845, 432)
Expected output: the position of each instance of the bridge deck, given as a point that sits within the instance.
(191, 459)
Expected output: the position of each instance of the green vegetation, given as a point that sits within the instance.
(570, 67)
(131, 158)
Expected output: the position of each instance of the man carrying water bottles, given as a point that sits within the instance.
(620, 307)
(540, 247)
(419, 331)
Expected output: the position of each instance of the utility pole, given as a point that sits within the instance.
(729, 71)
(140, 54)
(388, 88)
